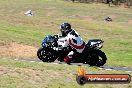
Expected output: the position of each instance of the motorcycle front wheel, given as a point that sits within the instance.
(46, 55)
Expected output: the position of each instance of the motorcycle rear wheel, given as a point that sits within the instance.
(98, 58)
(101, 58)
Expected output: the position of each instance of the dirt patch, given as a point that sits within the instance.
(23, 74)
(17, 50)
(130, 22)
(87, 18)
(34, 76)
(51, 11)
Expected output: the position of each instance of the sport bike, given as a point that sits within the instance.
(91, 55)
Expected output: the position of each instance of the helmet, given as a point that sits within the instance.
(65, 28)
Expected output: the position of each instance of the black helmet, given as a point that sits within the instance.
(65, 28)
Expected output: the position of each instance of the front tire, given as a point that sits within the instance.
(46, 55)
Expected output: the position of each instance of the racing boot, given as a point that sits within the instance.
(68, 59)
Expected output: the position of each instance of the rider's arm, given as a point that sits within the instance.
(63, 41)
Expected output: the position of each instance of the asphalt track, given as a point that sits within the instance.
(77, 64)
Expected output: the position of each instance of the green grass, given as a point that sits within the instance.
(45, 75)
(87, 19)
(22, 34)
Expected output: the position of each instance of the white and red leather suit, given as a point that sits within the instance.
(74, 40)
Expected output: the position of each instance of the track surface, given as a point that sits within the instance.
(102, 67)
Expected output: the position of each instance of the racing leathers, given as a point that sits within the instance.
(74, 40)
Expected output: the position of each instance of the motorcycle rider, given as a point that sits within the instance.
(72, 38)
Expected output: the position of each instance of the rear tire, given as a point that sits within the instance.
(101, 58)
(98, 58)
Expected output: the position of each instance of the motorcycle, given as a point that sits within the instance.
(91, 55)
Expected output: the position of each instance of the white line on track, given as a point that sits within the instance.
(126, 69)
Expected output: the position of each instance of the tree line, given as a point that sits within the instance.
(114, 2)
